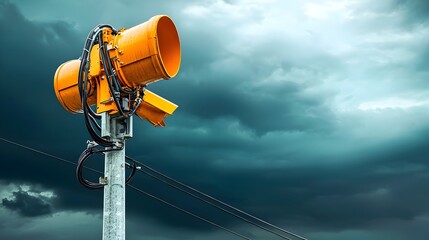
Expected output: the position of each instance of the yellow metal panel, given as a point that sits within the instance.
(95, 64)
(107, 35)
(155, 108)
(105, 101)
(159, 102)
(152, 114)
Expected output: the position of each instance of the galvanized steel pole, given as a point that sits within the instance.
(114, 177)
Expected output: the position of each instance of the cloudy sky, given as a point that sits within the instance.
(313, 115)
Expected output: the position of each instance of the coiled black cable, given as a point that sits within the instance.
(85, 156)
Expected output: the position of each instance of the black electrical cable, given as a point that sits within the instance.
(83, 157)
(189, 213)
(112, 71)
(114, 84)
(108, 68)
(38, 151)
(101, 141)
(109, 76)
(214, 205)
(129, 185)
(139, 101)
(214, 199)
(83, 76)
(133, 171)
(80, 165)
(89, 119)
(86, 57)
(82, 84)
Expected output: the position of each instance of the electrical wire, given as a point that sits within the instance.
(212, 204)
(114, 85)
(94, 37)
(85, 155)
(131, 186)
(82, 85)
(108, 71)
(40, 152)
(191, 214)
(79, 175)
(214, 199)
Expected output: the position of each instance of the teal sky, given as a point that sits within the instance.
(313, 115)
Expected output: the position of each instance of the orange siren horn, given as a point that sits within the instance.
(140, 55)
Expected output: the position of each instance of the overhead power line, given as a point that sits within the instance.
(189, 213)
(36, 151)
(206, 201)
(214, 200)
(129, 185)
(187, 190)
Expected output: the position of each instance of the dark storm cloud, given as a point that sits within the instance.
(34, 51)
(27, 205)
(348, 195)
(31, 48)
(257, 112)
(219, 84)
(417, 10)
